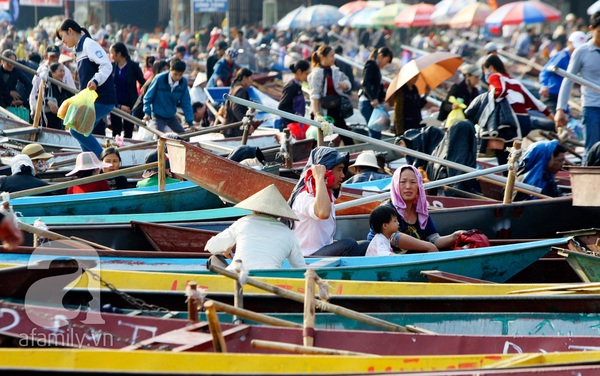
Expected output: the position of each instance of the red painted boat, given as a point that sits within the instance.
(168, 238)
(60, 327)
(232, 181)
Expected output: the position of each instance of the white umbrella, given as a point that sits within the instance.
(317, 15)
(286, 22)
(594, 8)
(446, 9)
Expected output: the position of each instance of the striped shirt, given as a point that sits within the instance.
(585, 61)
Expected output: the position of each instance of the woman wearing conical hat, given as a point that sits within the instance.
(260, 240)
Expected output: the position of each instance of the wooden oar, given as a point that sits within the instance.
(298, 349)
(89, 179)
(61, 84)
(494, 179)
(429, 185)
(254, 316)
(325, 306)
(56, 236)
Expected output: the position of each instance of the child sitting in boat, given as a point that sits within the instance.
(261, 241)
(384, 222)
(151, 175)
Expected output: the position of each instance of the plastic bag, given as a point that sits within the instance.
(380, 120)
(457, 114)
(298, 130)
(78, 112)
(145, 135)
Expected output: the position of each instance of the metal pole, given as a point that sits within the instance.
(431, 184)
(192, 18)
(577, 79)
(526, 188)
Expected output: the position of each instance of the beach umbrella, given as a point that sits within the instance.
(433, 69)
(317, 15)
(446, 9)
(522, 12)
(353, 6)
(386, 15)
(417, 15)
(345, 21)
(472, 15)
(594, 8)
(364, 19)
(286, 22)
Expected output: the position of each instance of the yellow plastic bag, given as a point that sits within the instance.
(457, 113)
(78, 112)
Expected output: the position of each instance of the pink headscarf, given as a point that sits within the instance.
(398, 201)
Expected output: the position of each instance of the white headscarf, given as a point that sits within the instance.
(19, 161)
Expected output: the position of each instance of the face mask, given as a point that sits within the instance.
(41, 165)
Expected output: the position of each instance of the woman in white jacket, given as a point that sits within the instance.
(325, 80)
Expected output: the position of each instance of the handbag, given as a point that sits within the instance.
(330, 101)
(347, 108)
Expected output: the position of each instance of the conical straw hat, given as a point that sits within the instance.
(269, 201)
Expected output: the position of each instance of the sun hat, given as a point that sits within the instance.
(490, 47)
(269, 201)
(87, 161)
(18, 161)
(470, 69)
(577, 38)
(53, 50)
(232, 52)
(365, 159)
(151, 158)
(36, 151)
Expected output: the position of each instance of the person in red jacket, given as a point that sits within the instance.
(87, 164)
(517, 95)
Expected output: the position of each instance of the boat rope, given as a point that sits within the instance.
(326, 126)
(7, 209)
(241, 271)
(283, 151)
(138, 303)
(323, 289)
(198, 293)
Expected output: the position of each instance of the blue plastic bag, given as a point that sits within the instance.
(380, 120)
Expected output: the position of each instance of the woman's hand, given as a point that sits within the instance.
(343, 86)
(53, 107)
(375, 103)
(92, 85)
(15, 95)
(126, 109)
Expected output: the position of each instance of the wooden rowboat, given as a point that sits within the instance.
(175, 197)
(167, 238)
(102, 362)
(496, 264)
(231, 180)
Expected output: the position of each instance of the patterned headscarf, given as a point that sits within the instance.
(328, 157)
(398, 201)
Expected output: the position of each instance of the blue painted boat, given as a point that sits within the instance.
(176, 197)
(271, 121)
(496, 264)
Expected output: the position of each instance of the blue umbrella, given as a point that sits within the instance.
(5, 16)
(365, 18)
(317, 15)
(287, 20)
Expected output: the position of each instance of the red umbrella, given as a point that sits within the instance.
(520, 12)
(418, 15)
(353, 6)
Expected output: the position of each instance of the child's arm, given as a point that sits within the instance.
(407, 242)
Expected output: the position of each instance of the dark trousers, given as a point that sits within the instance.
(344, 247)
(119, 125)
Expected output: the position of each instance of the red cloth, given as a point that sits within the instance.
(97, 186)
(518, 96)
(471, 239)
(310, 184)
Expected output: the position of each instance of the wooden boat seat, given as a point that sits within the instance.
(195, 337)
(325, 263)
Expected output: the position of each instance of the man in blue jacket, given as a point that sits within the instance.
(167, 91)
(551, 81)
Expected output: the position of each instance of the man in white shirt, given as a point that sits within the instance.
(52, 56)
(313, 201)
(261, 241)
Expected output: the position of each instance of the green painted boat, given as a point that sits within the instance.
(586, 265)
